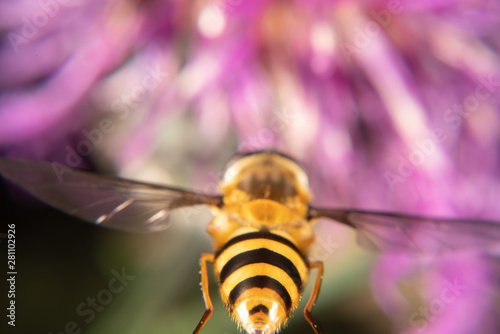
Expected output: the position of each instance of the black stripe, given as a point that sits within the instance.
(260, 235)
(260, 282)
(261, 255)
(259, 308)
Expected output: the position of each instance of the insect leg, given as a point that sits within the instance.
(314, 295)
(204, 289)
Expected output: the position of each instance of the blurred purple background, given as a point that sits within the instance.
(390, 105)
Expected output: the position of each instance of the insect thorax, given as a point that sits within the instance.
(264, 191)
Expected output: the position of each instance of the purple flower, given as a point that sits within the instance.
(391, 105)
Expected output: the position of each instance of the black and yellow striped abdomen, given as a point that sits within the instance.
(261, 277)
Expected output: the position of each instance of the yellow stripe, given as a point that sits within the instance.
(273, 245)
(263, 269)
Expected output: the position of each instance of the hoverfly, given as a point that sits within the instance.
(261, 230)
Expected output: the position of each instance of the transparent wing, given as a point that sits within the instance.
(118, 203)
(393, 231)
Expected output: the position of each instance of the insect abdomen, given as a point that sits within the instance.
(261, 277)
